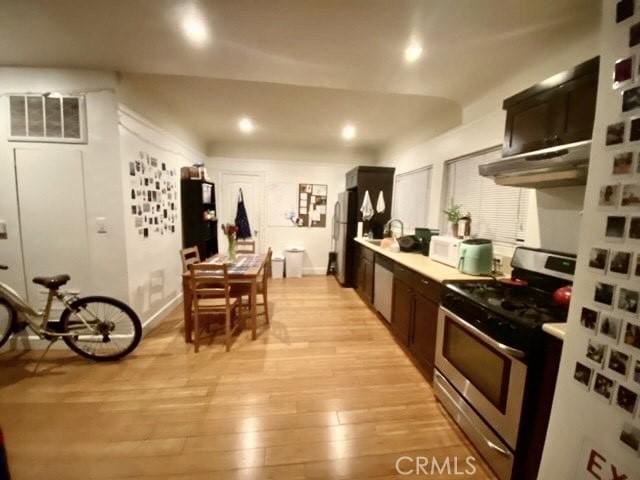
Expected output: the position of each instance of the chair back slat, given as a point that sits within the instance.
(246, 246)
(207, 279)
(189, 256)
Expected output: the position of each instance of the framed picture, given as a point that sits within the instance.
(589, 318)
(636, 372)
(609, 196)
(634, 35)
(620, 263)
(628, 301)
(615, 227)
(634, 130)
(632, 335)
(624, 10)
(583, 375)
(631, 195)
(598, 259)
(634, 228)
(622, 163)
(619, 362)
(615, 134)
(604, 293)
(630, 436)
(596, 351)
(636, 270)
(626, 399)
(631, 98)
(622, 72)
(611, 327)
(604, 386)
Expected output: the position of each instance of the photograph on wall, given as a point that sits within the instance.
(622, 72)
(615, 134)
(624, 10)
(620, 264)
(598, 259)
(596, 351)
(631, 195)
(609, 196)
(636, 372)
(622, 163)
(615, 227)
(636, 270)
(628, 300)
(634, 130)
(619, 362)
(631, 99)
(634, 35)
(630, 436)
(604, 294)
(604, 386)
(589, 318)
(610, 327)
(583, 375)
(632, 335)
(634, 228)
(627, 399)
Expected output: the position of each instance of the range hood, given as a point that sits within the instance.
(559, 166)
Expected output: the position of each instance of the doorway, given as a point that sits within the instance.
(252, 185)
(53, 220)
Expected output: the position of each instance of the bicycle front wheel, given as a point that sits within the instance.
(7, 317)
(103, 328)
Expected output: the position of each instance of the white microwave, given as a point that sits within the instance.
(445, 250)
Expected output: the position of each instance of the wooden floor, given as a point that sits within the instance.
(324, 393)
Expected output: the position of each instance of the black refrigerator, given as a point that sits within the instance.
(199, 217)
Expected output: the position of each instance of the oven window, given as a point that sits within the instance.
(485, 368)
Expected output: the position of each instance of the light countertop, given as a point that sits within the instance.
(421, 264)
(558, 330)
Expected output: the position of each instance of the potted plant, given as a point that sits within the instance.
(454, 215)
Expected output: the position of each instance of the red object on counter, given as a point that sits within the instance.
(514, 282)
(562, 296)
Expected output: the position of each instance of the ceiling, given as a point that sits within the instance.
(288, 62)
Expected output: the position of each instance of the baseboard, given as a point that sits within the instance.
(23, 341)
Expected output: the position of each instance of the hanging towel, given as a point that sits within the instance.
(367, 207)
(242, 219)
(380, 205)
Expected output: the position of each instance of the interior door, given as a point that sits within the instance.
(252, 190)
(53, 221)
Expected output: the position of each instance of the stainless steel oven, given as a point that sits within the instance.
(481, 382)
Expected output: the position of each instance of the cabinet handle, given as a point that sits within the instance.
(426, 282)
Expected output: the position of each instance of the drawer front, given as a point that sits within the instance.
(428, 287)
(403, 274)
(385, 262)
(367, 254)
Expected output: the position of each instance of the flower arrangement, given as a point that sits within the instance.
(230, 230)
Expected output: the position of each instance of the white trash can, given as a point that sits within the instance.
(277, 266)
(294, 257)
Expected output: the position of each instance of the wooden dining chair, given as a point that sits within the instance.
(262, 287)
(212, 297)
(189, 256)
(246, 246)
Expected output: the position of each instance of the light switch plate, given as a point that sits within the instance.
(3, 230)
(101, 225)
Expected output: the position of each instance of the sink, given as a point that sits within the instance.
(375, 241)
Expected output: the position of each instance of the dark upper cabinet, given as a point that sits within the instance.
(557, 111)
(374, 180)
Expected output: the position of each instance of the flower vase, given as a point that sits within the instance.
(232, 248)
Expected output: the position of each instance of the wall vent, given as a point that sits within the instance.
(47, 118)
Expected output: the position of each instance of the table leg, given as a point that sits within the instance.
(254, 313)
(186, 302)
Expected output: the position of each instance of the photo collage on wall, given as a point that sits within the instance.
(610, 367)
(154, 196)
(312, 205)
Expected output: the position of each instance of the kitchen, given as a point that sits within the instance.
(470, 192)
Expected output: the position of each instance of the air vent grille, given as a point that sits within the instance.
(47, 118)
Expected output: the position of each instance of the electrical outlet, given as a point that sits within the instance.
(3, 230)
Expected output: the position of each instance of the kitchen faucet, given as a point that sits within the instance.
(387, 226)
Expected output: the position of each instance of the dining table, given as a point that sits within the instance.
(244, 270)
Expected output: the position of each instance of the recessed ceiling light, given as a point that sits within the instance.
(413, 51)
(194, 27)
(348, 132)
(246, 125)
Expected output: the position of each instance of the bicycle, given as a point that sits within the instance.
(96, 327)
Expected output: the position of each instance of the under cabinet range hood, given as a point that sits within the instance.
(558, 166)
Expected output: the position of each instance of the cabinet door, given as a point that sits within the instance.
(423, 336)
(528, 125)
(574, 110)
(402, 311)
(368, 281)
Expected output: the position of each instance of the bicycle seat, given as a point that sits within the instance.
(52, 283)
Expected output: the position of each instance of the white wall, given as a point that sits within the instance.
(277, 166)
(108, 273)
(153, 263)
(582, 420)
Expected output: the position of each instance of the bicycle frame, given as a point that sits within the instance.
(27, 312)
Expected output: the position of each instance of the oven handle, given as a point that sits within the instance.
(513, 352)
(489, 443)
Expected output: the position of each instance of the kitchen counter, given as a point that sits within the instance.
(421, 264)
(558, 330)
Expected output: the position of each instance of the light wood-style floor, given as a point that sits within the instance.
(324, 393)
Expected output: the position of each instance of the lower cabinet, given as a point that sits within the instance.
(415, 318)
(364, 274)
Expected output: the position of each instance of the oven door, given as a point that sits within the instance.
(489, 375)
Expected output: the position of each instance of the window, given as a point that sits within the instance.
(44, 118)
(411, 198)
(497, 212)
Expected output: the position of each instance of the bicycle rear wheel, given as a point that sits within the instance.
(110, 330)
(7, 317)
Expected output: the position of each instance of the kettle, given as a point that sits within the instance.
(476, 256)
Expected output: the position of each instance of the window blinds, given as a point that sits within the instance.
(497, 212)
(411, 198)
